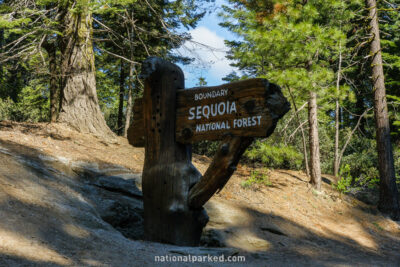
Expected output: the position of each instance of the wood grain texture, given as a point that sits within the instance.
(220, 170)
(168, 173)
(249, 98)
(232, 148)
(174, 191)
(253, 97)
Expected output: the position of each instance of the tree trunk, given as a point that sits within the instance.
(314, 142)
(122, 77)
(128, 113)
(79, 104)
(53, 86)
(302, 134)
(54, 83)
(1, 50)
(388, 198)
(360, 107)
(337, 110)
(337, 132)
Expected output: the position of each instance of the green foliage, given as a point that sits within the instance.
(275, 156)
(33, 105)
(22, 111)
(344, 183)
(207, 148)
(257, 177)
(6, 109)
(360, 163)
(290, 45)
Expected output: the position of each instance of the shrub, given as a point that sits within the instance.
(362, 164)
(257, 177)
(345, 181)
(275, 156)
(6, 108)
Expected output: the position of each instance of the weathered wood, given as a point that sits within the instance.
(173, 192)
(168, 173)
(199, 114)
(220, 170)
(231, 150)
(248, 100)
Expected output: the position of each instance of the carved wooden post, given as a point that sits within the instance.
(168, 172)
(174, 192)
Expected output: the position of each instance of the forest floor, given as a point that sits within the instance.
(282, 222)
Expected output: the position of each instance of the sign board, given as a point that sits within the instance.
(211, 113)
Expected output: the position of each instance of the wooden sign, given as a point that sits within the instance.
(210, 113)
(168, 118)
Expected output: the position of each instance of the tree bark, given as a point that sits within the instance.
(315, 169)
(388, 198)
(122, 77)
(128, 112)
(79, 103)
(54, 96)
(54, 83)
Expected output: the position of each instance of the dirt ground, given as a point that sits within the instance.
(282, 223)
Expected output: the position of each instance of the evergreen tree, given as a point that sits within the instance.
(292, 44)
(388, 197)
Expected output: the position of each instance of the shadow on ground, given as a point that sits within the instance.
(54, 215)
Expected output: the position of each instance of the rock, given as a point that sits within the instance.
(118, 185)
(272, 228)
(124, 217)
(212, 238)
(118, 203)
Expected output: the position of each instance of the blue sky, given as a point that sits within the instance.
(210, 63)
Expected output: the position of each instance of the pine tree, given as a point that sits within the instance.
(291, 44)
(388, 197)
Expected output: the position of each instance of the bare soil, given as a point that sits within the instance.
(284, 222)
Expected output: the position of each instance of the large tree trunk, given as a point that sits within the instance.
(79, 104)
(388, 198)
(315, 168)
(128, 112)
(122, 77)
